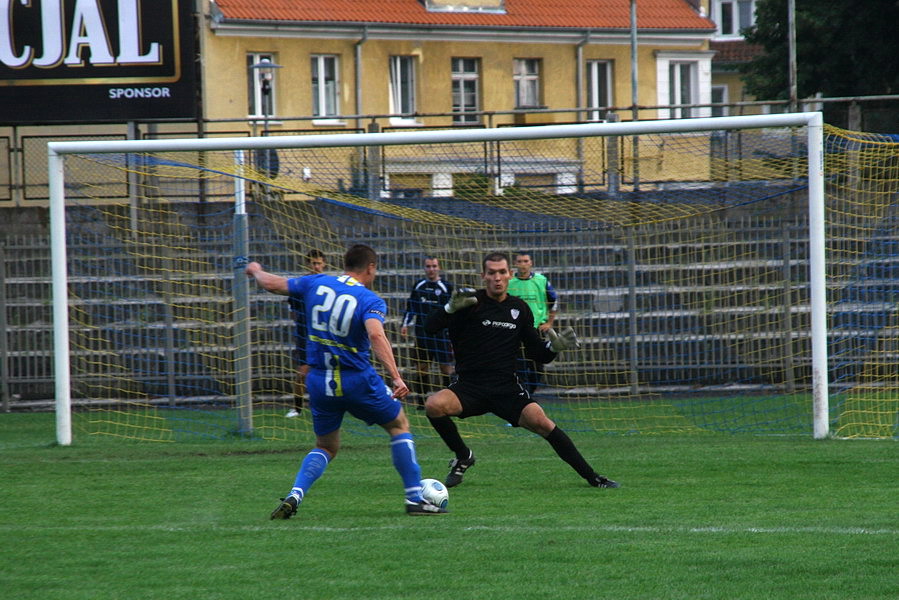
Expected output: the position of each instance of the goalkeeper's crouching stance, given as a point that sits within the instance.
(487, 329)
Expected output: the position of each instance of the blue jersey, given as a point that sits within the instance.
(336, 309)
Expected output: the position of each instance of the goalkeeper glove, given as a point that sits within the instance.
(562, 341)
(461, 298)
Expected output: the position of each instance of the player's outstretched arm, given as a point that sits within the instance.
(267, 281)
(566, 340)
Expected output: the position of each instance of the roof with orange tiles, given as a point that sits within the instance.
(569, 14)
(737, 51)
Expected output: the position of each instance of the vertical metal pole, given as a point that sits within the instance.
(373, 158)
(791, 46)
(243, 388)
(4, 344)
(18, 190)
(613, 168)
(357, 73)
(632, 309)
(61, 372)
(133, 134)
(818, 276)
(168, 294)
(635, 112)
(579, 94)
(786, 315)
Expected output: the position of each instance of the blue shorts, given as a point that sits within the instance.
(363, 394)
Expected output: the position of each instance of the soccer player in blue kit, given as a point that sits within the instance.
(345, 322)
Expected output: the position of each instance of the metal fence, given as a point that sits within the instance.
(594, 292)
(23, 149)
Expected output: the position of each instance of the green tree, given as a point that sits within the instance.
(843, 48)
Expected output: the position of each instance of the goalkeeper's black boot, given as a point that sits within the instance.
(598, 480)
(458, 466)
(423, 508)
(286, 509)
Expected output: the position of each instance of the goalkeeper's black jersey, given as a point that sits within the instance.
(487, 337)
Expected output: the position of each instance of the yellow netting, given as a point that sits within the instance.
(681, 260)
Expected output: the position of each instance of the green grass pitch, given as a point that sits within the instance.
(698, 516)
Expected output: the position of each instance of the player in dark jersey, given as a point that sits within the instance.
(315, 262)
(488, 329)
(427, 294)
(345, 324)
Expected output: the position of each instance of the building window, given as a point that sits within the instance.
(733, 16)
(402, 85)
(719, 96)
(526, 75)
(466, 83)
(599, 88)
(684, 78)
(681, 88)
(325, 86)
(260, 104)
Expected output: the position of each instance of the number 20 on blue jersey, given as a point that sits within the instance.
(333, 313)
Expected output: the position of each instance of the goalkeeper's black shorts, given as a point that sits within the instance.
(505, 397)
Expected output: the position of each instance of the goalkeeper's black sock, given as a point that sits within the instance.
(568, 452)
(449, 433)
(425, 382)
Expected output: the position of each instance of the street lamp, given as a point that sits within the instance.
(266, 70)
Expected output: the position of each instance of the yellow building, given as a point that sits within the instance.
(463, 62)
(344, 66)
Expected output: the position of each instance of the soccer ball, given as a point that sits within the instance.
(434, 492)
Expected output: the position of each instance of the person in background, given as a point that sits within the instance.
(427, 294)
(315, 263)
(535, 289)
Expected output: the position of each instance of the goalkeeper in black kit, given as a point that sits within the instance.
(487, 329)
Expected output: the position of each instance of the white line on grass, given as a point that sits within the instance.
(193, 527)
(700, 530)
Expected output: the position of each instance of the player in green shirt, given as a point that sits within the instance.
(535, 289)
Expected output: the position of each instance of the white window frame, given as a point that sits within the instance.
(526, 76)
(403, 95)
(682, 88)
(700, 64)
(461, 79)
(720, 111)
(255, 97)
(599, 88)
(730, 17)
(325, 98)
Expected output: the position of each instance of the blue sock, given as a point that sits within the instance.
(402, 448)
(312, 468)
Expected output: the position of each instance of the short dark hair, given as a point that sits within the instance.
(494, 257)
(315, 253)
(358, 257)
(523, 253)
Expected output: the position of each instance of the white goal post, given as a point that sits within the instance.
(812, 121)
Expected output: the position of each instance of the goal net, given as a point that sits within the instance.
(683, 254)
